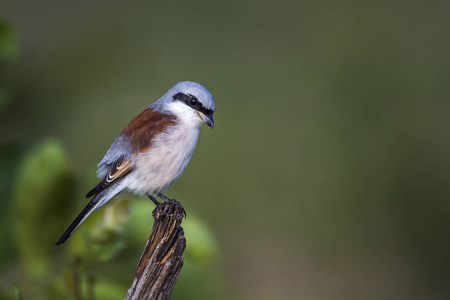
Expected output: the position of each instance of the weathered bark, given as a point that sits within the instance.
(161, 261)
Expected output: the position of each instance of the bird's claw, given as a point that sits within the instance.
(179, 205)
(174, 202)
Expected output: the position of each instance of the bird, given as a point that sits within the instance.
(153, 150)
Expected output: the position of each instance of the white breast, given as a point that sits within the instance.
(161, 166)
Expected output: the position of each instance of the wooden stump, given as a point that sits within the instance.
(161, 261)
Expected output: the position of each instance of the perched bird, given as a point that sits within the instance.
(153, 150)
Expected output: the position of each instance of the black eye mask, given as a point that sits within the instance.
(193, 102)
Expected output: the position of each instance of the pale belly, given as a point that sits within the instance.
(161, 166)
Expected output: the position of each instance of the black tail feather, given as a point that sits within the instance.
(80, 218)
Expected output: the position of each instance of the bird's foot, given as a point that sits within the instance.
(172, 201)
(154, 200)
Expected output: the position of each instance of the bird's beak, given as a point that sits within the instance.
(209, 121)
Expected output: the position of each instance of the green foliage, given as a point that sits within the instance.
(8, 41)
(105, 239)
(202, 245)
(17, 292)
(8, 50)
(201, 259)
(43, 191)
(109, 290)
(10, 156)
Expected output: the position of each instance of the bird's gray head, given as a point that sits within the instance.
(190, 101)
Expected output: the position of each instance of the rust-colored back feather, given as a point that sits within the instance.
(144, 127)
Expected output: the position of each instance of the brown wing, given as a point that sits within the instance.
(118, 170)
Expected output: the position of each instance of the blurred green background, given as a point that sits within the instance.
(325, 177)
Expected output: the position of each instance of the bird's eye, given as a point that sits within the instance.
(193, 101)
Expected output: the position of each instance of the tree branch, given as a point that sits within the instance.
(161, 261)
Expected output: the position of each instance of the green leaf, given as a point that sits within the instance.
(43, 190)
(8, 41)
(202, 247)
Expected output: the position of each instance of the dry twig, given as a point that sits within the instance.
(161, 261)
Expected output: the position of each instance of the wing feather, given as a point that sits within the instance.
(118, 171)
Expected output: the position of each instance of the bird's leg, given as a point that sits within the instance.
(172, 201)
(153, 199)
